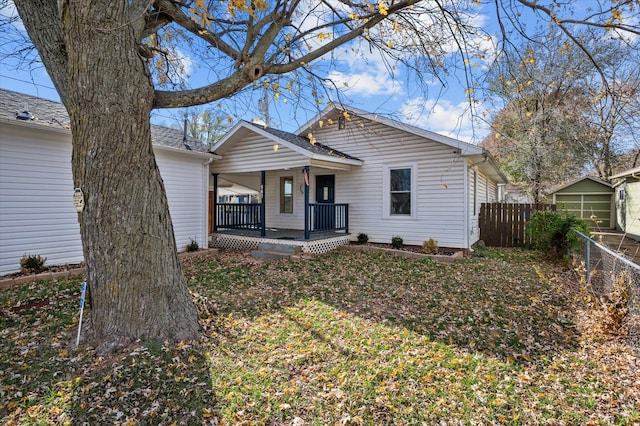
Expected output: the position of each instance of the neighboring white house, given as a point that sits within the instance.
(396, 179)
(37, 215)
(627, 198)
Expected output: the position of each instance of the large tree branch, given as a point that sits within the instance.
(256, 65)
(169, 8)
(218, 90)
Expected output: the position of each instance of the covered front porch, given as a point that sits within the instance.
(322, 227)
(294, 184)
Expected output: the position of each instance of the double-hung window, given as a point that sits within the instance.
(399, 191)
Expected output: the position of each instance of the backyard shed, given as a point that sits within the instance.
(589, 198)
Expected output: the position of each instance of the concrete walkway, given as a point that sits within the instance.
(618, 242)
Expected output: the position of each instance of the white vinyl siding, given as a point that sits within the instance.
(481, 190)
(255, 153)
(185, 182)
(274, 218)
(36, 188)
(439, 183)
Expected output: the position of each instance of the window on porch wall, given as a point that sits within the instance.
(286, 194)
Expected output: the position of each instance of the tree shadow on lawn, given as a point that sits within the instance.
(500, 305)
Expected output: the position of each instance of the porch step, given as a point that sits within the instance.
(275, 251)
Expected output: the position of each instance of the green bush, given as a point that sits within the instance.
(32, 264)
(192, 246)
(396, 242)
(550, 232)
(363, 238)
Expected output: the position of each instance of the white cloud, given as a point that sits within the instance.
(444, 117)
(366, 83)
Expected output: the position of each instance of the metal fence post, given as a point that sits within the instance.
(588, 260)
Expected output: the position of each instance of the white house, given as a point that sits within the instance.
(627, 200)
(37, 215)
(352, 171)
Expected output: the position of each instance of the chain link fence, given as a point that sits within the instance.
(606, 272)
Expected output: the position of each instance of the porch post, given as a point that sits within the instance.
(306, 202)
(263, 227)
(214, 213)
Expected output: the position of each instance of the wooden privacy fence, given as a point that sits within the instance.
(504, 225)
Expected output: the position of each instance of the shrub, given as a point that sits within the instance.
(606, 314)
(480, 249)
(363, 238)
(396, 242)
(32, 264)
(430, 246)
(192, 246)
(550, 232)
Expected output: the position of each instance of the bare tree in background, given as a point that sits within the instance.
(559, 116)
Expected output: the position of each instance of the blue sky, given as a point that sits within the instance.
(364, 81)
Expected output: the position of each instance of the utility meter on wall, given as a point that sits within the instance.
(78, 199)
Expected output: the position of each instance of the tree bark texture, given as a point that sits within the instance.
(135, 280)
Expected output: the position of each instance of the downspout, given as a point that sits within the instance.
(465, 191)
(466, 210)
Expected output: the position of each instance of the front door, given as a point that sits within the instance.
(325, 217)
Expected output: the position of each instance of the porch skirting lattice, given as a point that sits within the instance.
(240, 242)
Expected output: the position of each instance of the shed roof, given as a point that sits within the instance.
(583, 179)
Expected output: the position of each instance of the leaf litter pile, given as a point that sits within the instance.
(343, 338)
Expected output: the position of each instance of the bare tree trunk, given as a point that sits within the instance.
(135, 279)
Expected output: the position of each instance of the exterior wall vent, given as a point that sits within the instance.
(24, 115)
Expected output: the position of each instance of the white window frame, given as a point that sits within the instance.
(386, 190)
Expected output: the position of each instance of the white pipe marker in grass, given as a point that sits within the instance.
(82, 291)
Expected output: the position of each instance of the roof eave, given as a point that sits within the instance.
(63, 130)
(340, 160)
(464, 147)
(630, 172)
(34, 125)
(188, 153)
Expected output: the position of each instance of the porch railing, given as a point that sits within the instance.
(325, 217)
(237, 216)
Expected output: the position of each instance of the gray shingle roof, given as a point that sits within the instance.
(53, 114)
(43, 111)
(305, 143)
